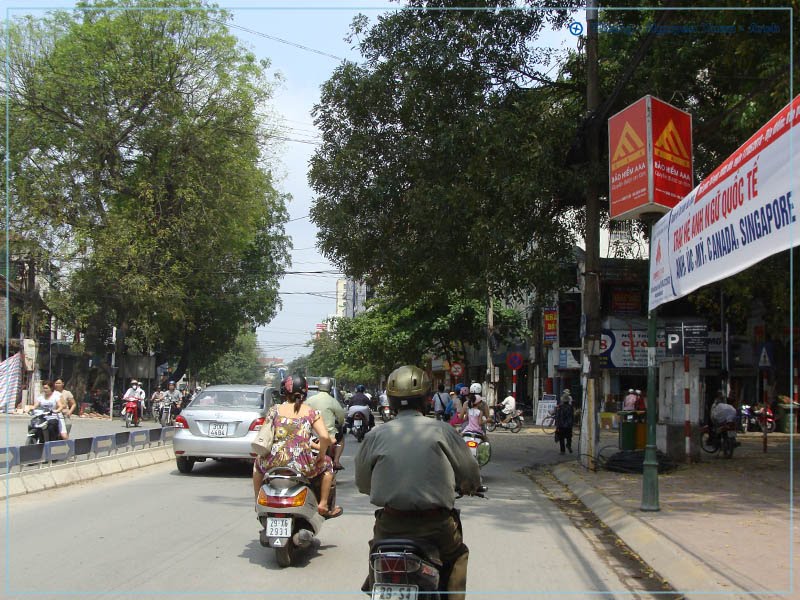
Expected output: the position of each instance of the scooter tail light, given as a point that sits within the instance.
(299, 499)
(256, 425)
(472, 444)
(180, 422)
(396, 564)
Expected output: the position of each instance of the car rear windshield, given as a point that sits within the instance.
(228, 400)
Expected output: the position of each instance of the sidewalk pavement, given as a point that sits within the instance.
(724, 529)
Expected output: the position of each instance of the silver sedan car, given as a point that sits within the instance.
(220, 423)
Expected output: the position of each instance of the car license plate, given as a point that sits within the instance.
(280, 528)
(218, 429)
(388, 591)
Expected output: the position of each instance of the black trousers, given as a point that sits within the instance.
(564, 435)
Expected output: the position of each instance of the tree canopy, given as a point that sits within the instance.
(139, 168)
(422, 150)
(458, 143)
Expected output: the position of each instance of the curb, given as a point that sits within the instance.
(29, 482)
(682, 570)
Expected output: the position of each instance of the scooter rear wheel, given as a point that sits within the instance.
(709, 443)
(515, 425)
(284, 555)
(491, 425)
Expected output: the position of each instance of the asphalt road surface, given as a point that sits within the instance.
(157, 533)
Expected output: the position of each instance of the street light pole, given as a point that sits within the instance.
(650, 466)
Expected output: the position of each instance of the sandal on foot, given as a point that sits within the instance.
(332, 514)
(338, 467)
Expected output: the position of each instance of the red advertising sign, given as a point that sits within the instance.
(550, 325)
(672, 153)
(650, 158)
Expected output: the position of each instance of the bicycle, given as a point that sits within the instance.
(549, 423)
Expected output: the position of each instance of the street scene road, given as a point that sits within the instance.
(156, 531)
(583, 215)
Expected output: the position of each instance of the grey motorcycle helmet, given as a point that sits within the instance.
(325, 384)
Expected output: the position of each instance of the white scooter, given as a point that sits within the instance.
(479, 446)
(287, 510)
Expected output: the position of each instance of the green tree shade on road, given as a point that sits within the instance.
(140, 171)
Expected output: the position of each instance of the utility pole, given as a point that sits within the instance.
(490, 400)
(591, 280)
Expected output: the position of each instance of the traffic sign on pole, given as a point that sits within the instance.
(514, 360)
(456, 369)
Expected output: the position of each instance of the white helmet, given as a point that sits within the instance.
(475, 388)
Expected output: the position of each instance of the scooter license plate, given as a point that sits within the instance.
(281, 528)
(218, 429)
(389, 591)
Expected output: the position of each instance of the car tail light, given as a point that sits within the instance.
(472, 444)
(180, 422)
(282, 501)
(256, 425)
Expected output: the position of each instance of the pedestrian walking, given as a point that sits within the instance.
(565, 419)
(440, 403)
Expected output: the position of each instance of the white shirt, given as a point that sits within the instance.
(509, 404)
(132, 392)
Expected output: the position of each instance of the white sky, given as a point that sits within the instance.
(320, 26)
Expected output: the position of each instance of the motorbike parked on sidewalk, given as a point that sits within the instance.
(757, 418)
(513, 425)
(719, 437)
(479, 447)
(407, 569)
(287, 509)
(43, 427)
(131, 412)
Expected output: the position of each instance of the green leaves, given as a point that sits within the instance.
(420, 149)
(136, 140)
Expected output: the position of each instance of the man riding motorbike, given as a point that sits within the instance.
(509, 407)
(413, 504)
(135, 393)
(333, 416)
(359, 402)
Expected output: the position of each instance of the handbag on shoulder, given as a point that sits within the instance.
(262, 444)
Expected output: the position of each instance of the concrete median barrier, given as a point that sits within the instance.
(29, 481)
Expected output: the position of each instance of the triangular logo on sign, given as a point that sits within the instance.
(277, 543)
(670, 146)
(629, 148)
(764, 361)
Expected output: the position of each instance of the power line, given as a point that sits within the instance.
(277, 39)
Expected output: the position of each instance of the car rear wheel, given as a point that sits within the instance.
(185, 464)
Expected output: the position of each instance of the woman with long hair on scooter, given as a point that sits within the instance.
(295, 424)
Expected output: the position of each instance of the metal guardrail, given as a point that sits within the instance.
(44, 455)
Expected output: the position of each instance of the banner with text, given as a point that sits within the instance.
(627, 349)
(739, 215)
